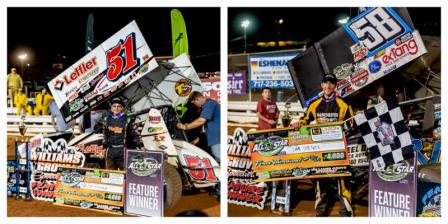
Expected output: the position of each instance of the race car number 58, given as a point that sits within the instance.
(376, 28)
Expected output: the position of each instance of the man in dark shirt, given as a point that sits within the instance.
(329, 108)
(211, 118)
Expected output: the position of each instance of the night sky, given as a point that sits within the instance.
(47, 34)
(307, 24)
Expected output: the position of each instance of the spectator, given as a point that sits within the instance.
(95, 116)
(43, 100)
(267, 111)
(21, 102)
(14, 82)
(211, 118)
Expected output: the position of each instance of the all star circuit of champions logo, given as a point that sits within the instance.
(183, 87)
(144, 166)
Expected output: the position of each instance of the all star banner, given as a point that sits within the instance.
(112, 66)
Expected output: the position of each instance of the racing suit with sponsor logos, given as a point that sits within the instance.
(324, 110)
(118, 135)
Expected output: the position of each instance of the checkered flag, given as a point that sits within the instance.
(385, 134)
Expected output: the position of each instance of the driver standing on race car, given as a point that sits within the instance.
(116, 131)
(325, 109)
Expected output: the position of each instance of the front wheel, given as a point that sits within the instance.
(173, 186)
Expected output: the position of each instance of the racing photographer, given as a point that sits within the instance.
(325, 109)
(117, 135)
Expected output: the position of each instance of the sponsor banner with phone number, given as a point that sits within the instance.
(94, 189)
(314, 151)
(115, 64)
(270, 71)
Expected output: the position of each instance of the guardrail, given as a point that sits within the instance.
(34, 124)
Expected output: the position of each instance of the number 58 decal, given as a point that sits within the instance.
(376, 28)
(122, 58)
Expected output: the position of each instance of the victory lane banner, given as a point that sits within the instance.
(115, 64)
(95, 189)
(314, 151)
(144, 183)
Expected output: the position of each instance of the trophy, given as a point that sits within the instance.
(22, 127)
(286, 118)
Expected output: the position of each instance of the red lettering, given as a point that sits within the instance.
(409, 46)
(200, 169)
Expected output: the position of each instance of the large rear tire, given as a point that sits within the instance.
(173, 187)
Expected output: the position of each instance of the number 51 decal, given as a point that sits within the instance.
(122, 58)
(376, 28)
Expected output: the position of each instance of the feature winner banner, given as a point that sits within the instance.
(115, 64)
(270, 71)
(314, 151)
(94, 189)
(144, 183)
(393, 190)
(370, 46)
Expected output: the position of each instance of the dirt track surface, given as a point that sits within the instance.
(302, 205)
(193, 201)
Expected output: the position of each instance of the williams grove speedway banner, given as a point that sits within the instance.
(313, 151)
(242, 189)
(46, 156)
(115, 64)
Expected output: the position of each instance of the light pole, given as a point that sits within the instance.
(343, 20)
(22, 58)
(245, 24)
(279, 22)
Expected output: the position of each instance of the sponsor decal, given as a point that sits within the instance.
(247, 194)
(200, 168)
(144, 166)
(360, 78)
(76, 104)
(384, 132)
(300, 172)
(395, 172)
(395, 53)
(86, 204)
(71, 179)
(375, 66)
(359, 52)
(183, 87)
(154, 129)
(154, 119)
(432, 203)
(269, 146)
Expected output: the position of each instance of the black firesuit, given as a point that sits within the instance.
(330, 110)
(116, 132)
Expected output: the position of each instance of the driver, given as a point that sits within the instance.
(325, 109)
(115, 131)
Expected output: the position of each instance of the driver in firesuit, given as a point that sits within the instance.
(329, 108)
(117, 135)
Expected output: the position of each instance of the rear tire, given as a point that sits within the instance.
(172, 186)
